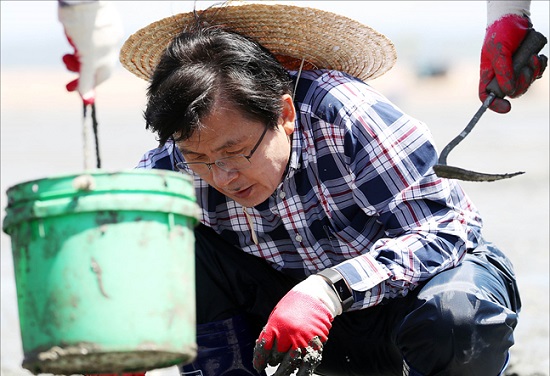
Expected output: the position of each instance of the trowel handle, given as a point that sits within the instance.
(531, 45)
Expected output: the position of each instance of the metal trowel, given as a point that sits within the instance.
(532, 44)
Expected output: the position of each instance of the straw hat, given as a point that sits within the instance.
(292, 33)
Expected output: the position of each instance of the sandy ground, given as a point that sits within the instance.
(41, 136)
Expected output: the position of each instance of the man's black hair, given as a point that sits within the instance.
(205, 65)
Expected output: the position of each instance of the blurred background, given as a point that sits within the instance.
(435, 79)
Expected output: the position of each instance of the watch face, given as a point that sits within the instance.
(342, 289)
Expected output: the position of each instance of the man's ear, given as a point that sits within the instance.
(288, 115)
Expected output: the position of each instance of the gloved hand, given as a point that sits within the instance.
(502, 39)
(297, 328)
(94, 29)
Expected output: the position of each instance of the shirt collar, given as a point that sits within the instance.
(294, 162)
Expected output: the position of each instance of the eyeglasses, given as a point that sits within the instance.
(228, 164)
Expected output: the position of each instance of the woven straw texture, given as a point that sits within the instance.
(292, 33)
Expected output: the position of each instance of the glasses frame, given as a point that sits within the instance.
(187, 165)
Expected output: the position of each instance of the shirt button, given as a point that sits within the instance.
(298, 238)
(282, 194)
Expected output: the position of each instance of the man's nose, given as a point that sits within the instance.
(223, 178)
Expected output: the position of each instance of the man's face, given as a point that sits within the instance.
(227, 133)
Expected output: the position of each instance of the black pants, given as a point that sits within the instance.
(460, 322)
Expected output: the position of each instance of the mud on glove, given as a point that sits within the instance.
(297, 328)
(94, 29)
(508, 23)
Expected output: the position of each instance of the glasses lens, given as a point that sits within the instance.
(229, 164)
(193, 168)
(236, 163)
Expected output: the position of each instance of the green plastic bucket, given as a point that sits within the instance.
(104, 269)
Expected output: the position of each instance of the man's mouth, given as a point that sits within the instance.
(241, 193)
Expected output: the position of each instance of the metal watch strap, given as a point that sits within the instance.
(340, 287)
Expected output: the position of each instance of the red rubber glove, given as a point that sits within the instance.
(297, 328)
(94, 30)
(502, 39)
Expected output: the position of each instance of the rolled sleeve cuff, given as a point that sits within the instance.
(365, 276)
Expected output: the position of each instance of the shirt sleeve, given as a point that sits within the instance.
(163, 158)
(429, 223)
(498, 9)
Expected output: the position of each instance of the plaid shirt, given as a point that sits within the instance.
(359, 195)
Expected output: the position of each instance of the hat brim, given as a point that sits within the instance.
(323, 40)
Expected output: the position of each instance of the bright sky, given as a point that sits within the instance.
(32, 35)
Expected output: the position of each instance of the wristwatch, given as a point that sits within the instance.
(339, 285)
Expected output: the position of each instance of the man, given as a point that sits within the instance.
(325, 233)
